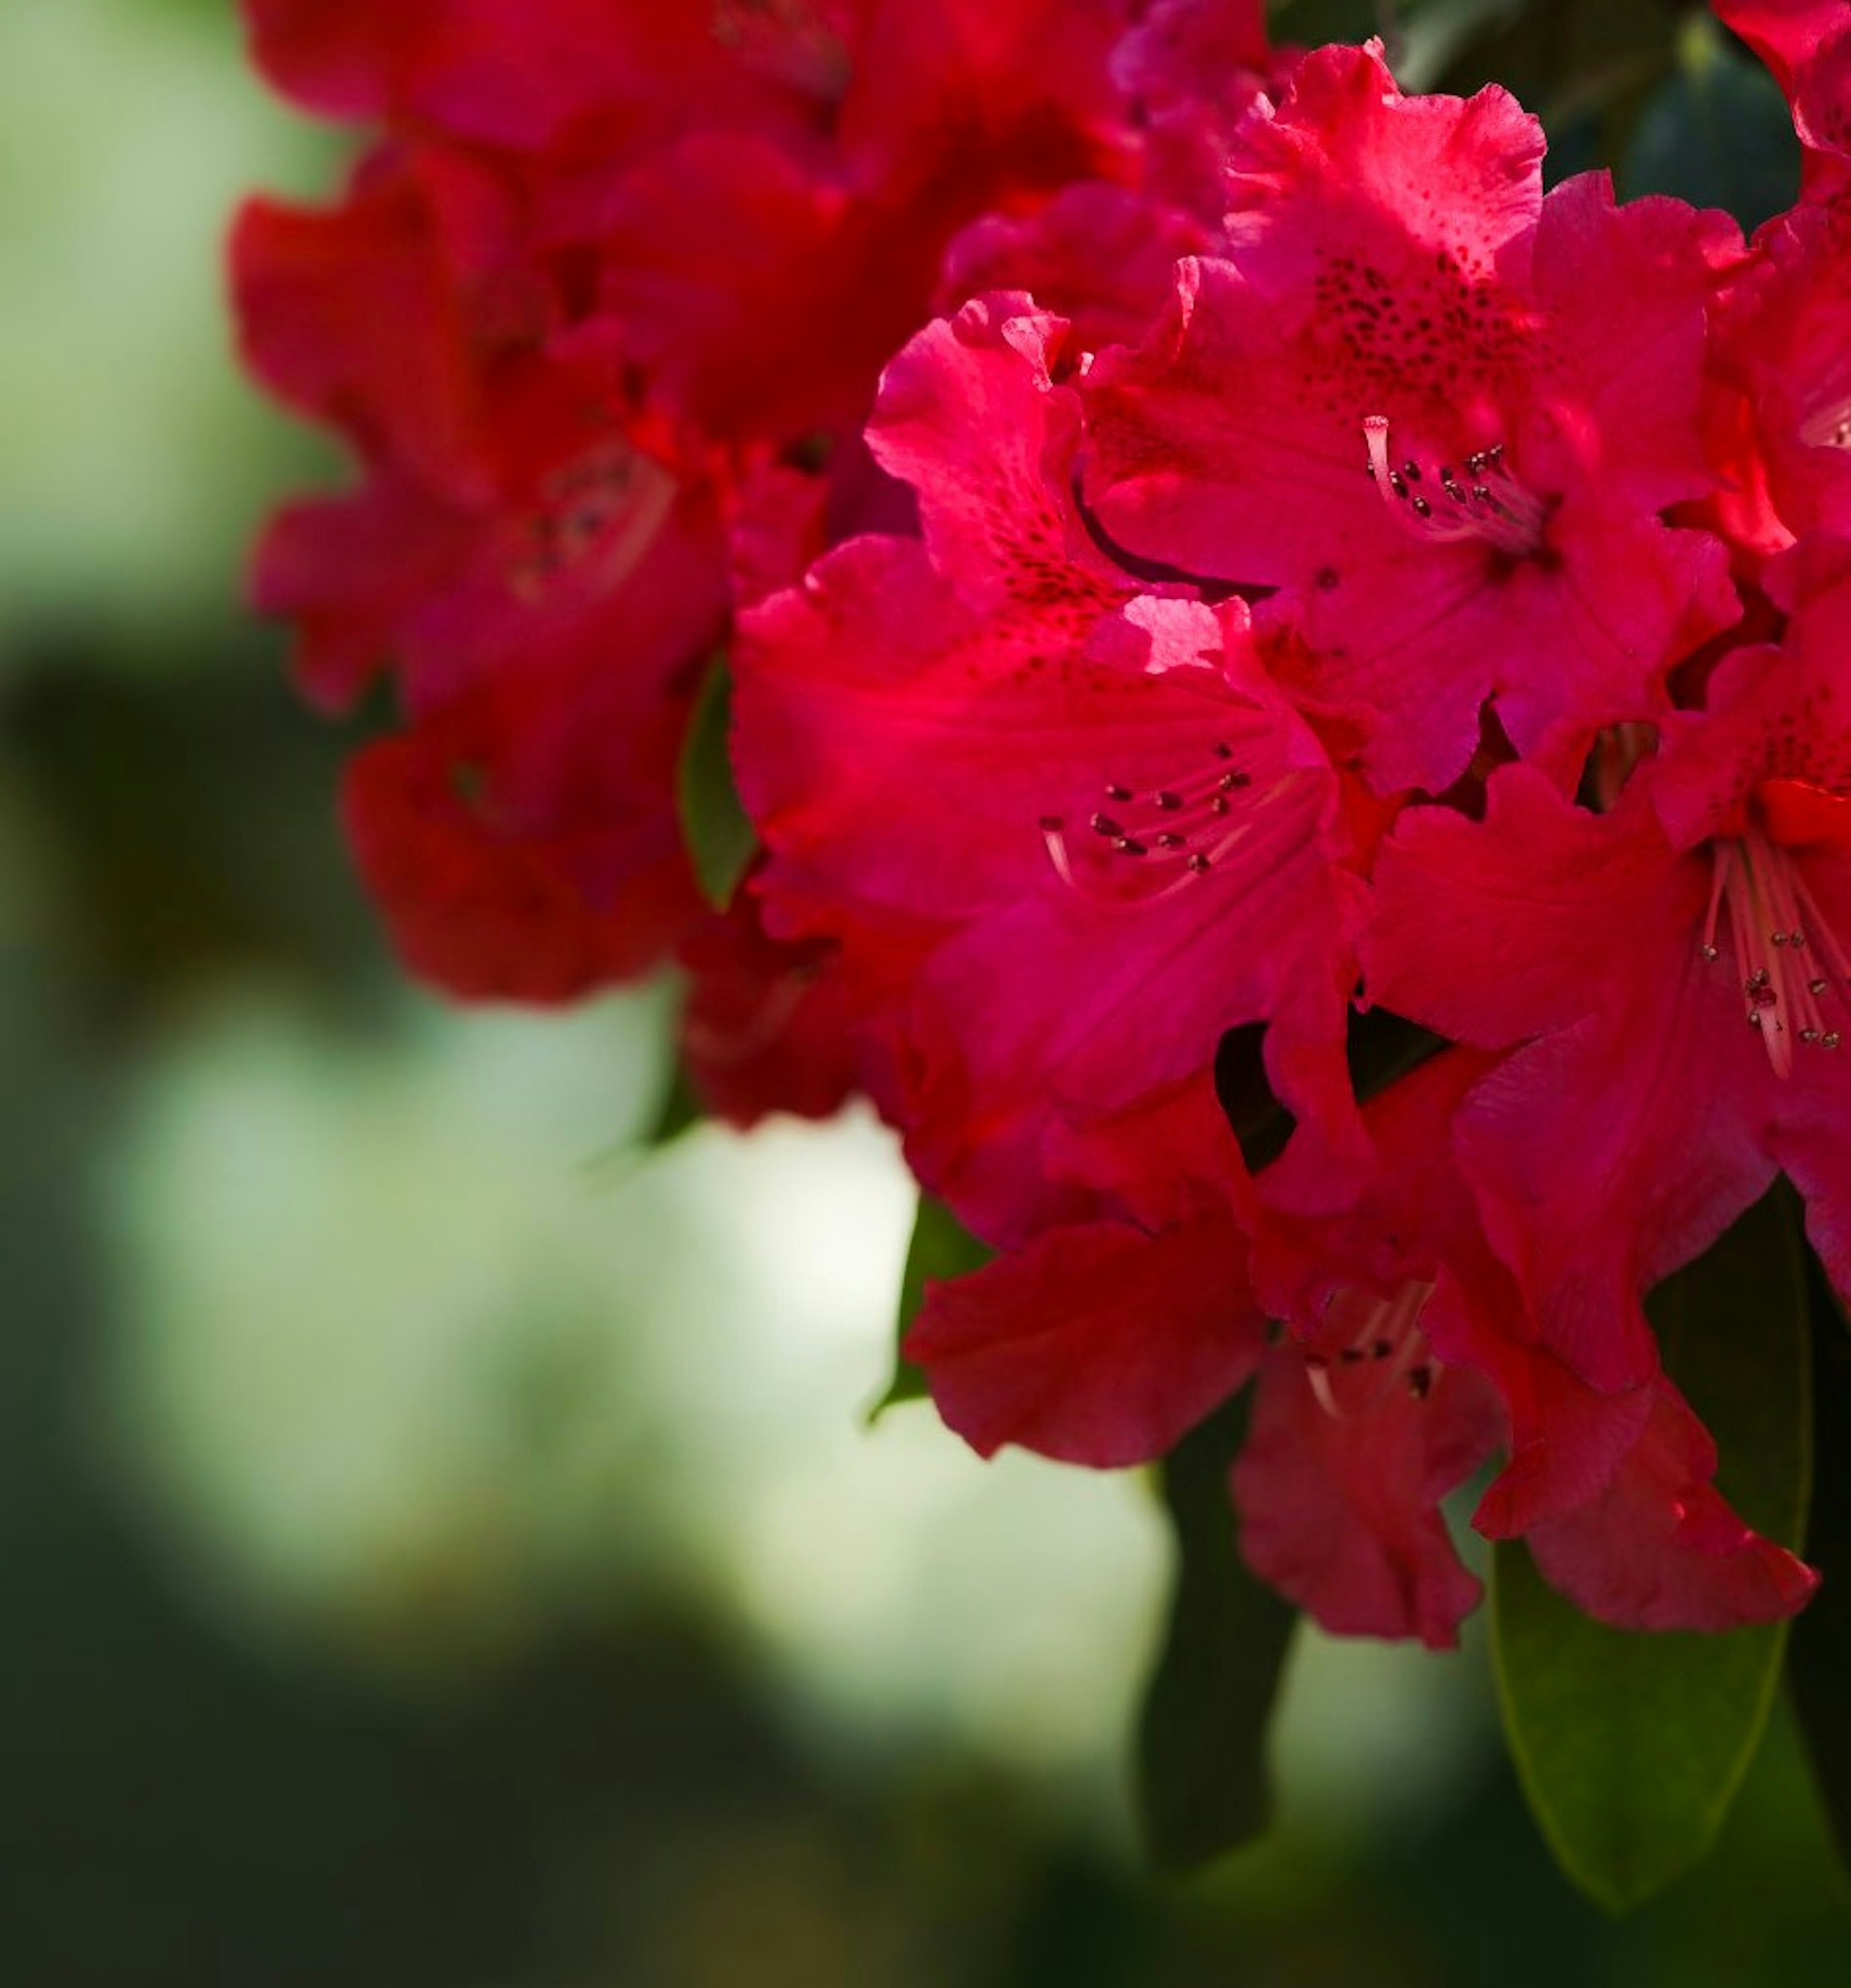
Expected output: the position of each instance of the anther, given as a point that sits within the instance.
(1497, 508)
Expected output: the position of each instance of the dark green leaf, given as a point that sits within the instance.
(1435, 33)
(1819, 1654)
(1718, 133)
(1631, 1747)
(1259, 1122)
(1202, 1786)
(941, 1247)
(719, 836)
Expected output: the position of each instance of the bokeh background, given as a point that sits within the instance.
(440, 1542)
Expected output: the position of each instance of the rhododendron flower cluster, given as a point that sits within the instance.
(1219, 569)
(1436, 611)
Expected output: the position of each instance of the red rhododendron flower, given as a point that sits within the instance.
(545, 572)
(1624, 951)
(1438, 416)
(1108, 1336)
(1073, 803)
(527, 74)
(613, 264)
(1613, 1490)
(1105, 1337)
(1306, 568)
(765, 1027)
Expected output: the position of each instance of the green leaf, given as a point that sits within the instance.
(719, 836)
(1631, 1745)
(679, 1110)
(941, 1247)
(1718, 133)
(1436, 33)
(1202, 1786)
(1818, 1657)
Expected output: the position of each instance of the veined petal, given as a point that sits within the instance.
(1660, 1548)
(1097, 1344)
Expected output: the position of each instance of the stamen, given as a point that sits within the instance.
(1829, 426)
(1496, 509)
(1165, 837)
(603, 508)
(1776, 925)
(1386, 1348)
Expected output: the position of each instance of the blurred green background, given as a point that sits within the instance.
(440, 1547)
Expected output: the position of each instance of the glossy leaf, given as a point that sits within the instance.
(1631, 1745)
(715, 826)
(1819, 1654)
(1203, 1785)
(941, 1247)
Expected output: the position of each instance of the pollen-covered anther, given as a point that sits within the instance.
(1482, 499)
(1775, 925)
(1169, 835)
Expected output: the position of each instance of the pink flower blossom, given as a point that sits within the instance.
(1083, 814)
(1624, 954)
(1435, 418)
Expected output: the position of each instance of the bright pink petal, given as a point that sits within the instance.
(517, 72)
(349, 314)
(1527, 374)
(1659, 1549)
(1098, 1344)
(1588, 1208)
(1491, 931)
(349, 572)
(490, 904)
(1786, 34)
(970, 415)
(1340, 1513)
(766, 1027)
(1100, 256)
